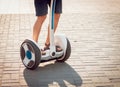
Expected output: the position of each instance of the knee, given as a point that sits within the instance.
(57, 16)
(41, 18)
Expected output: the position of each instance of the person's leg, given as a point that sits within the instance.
(37, 27)
(41, 10)
(58, 11)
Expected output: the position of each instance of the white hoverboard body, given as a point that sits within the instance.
(31, 54)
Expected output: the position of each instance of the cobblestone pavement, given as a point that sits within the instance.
(93, 28)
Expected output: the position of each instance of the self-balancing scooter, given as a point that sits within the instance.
(31, 54)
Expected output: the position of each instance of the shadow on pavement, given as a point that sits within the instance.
(60, 74)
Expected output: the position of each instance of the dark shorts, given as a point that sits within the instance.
(41, 7)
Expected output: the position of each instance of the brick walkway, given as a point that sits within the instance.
(93, 28)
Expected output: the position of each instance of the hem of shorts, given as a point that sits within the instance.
(42, 14)
(58, 12)
(47, 13)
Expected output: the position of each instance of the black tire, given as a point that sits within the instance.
(32, 47)
(68, 52)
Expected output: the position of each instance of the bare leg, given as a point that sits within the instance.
(37, 27)
(57, 16)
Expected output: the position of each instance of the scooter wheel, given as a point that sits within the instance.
(68, 52)
(30, 54)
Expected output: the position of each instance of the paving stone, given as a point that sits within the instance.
(104, 85)
(87, 85)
